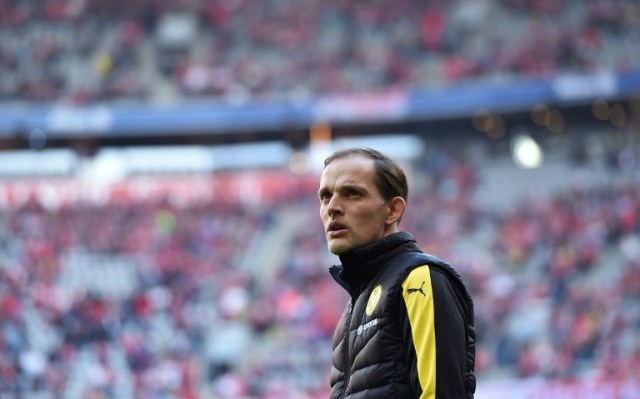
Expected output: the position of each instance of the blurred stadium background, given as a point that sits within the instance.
(159, 159)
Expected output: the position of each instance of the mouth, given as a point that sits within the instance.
(336, 229)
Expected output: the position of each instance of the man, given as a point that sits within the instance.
(407, 332)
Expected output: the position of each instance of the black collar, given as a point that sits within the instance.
(360, 264)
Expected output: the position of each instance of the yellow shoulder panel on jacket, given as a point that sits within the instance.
(418, 298)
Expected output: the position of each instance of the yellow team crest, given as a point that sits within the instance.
(374, 297)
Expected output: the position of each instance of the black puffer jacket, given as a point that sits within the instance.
(408, 330)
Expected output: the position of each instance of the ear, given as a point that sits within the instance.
(396, 207)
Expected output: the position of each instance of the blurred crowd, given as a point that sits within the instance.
(187, 314)
(183, 260)
(87, 51)
(556, 284)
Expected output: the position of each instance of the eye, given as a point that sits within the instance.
(324, 196)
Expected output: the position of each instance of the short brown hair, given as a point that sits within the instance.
(389, 176)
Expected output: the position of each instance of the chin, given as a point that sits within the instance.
(338, 249)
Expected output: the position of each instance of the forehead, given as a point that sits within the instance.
(352, 169)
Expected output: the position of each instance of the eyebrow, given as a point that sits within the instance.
(346, 186)
(354, 187)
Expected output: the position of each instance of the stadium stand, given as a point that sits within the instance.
(185, 280)
(145, 298)
(87, 51)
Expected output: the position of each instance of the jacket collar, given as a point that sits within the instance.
(361, 264)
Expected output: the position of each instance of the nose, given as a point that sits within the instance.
(334, 207)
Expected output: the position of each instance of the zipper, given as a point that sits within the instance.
(347, 372)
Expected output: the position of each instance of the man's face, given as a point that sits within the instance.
(351, 208)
